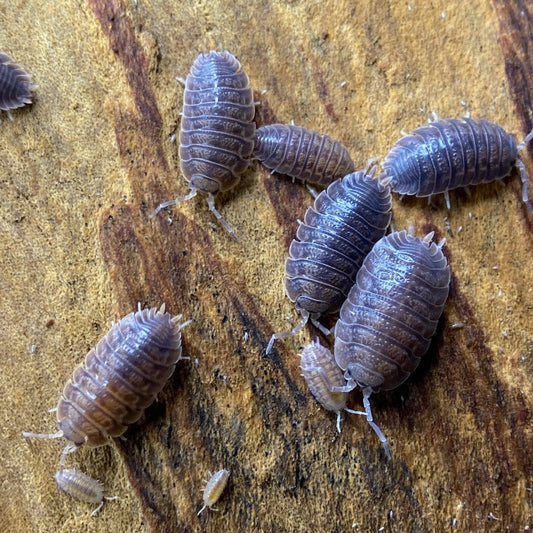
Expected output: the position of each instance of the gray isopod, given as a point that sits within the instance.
(391, 313)
(302, 153)
(346, 220)
(15, 85)
(217, 128)
(451, 153)
(321, 374)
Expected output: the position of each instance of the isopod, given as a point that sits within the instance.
(119, 378)
(217, 129)
(391, 314)
(338, 231)
(302, 153)
(213, 489)
(452, 153)
(322, 373)
(15, 85)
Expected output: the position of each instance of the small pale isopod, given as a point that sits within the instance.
(346, 220)
(391, 313)
(301, 153)
(452, 153)
(217, 128)
(119, 378)
(213, 489)
(15, 85)
(322, 373)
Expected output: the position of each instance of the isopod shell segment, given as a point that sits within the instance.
(119, 378)
(337, 233)
(301, 153)
(451, 153)
(15, 84)
(217, 128)
(392, 311)
(214, 488)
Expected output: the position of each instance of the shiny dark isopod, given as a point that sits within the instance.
(302, 153)
(119, 378)
(346, 220)
(391, 313)
(452, 153)
(217, 128)
(15, 85)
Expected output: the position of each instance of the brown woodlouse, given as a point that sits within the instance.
(338, 231)
(321, 374)
(15, 85)
(213, 489)
(119, 378)
(452, 153)
(217, 128)
(391, 313)
(301, 153)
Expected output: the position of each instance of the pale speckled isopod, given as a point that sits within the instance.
(213, 489)
(321, 374)
(451, 153)
(391, 313)
(301, 153)
(337, 233)
(119, 379)
(217, 128)
(15, 85)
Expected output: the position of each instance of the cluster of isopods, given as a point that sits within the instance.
(389, 290)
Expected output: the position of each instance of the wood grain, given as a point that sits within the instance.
(86, 164)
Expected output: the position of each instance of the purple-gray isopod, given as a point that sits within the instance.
(391, 313)
(15, 85)
(338, 231)
(217, 129)
(302, 153)
(451, 153)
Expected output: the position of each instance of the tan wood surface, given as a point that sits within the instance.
(84, 166)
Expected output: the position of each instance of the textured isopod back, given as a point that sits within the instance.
(15, 85)
(217, 128)
(301, 153)
(451, 153)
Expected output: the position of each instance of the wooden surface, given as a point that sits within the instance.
(82, 169)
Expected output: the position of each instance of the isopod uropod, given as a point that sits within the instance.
(213, 489)
(391, 313)
(322, 373)
(15, 85)
(337, 233)
(302, 153)
(451, 153)
(119, 378)
(217, 128)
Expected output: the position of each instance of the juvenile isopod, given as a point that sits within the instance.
(119, 378)
(321, 374)
(217, 129)
(391, 314)
(451, 153)
(301, 153)
(346, 220)
(214, 489)
(15, 85)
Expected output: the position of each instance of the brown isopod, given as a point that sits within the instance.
(452, 153)
(119, 379)
(322, 373)
(213, 489)
(391, 314)
(15, 85)
(301, 153)
(217, 128)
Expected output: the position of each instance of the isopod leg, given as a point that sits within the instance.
(214, 210)
(293, 331)
(321, 327)
(177, 200)
(56, 435)
(369, 418)
(525, 179)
